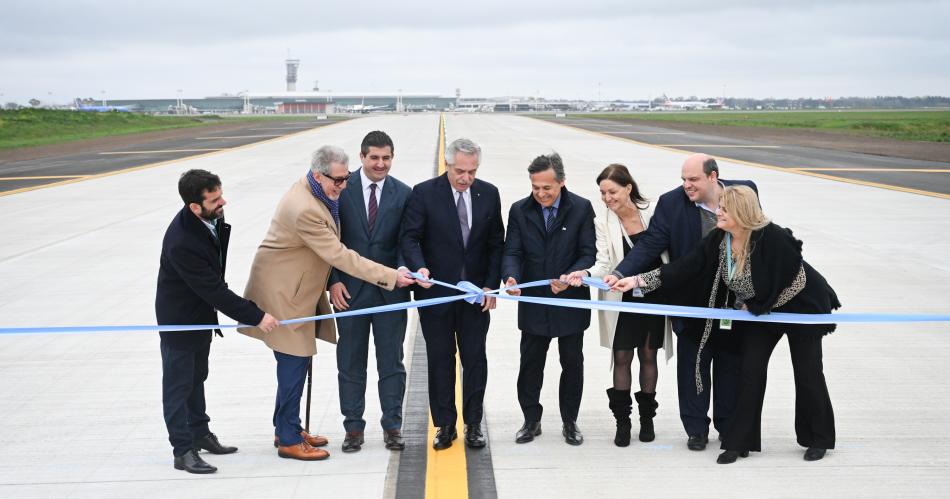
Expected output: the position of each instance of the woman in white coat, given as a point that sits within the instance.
(628, 214)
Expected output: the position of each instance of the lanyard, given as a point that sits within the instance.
(730, 268)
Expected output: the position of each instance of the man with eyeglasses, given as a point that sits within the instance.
(289, 276)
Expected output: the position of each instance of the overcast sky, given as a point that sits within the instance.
(58, 50)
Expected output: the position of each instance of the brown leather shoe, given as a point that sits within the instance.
(302, 451)
(313, 440)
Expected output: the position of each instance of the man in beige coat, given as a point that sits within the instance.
(289, 278)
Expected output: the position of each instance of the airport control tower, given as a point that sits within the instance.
(292, 65)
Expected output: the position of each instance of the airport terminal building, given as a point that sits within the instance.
(292, 103)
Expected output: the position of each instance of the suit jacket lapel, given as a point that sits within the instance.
(532, 213)
(447, 195)
(615, 236)
(355, 187)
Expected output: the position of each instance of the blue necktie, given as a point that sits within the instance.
(549, 214)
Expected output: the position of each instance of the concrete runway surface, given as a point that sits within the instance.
(82, 414)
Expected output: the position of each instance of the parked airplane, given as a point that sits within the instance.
(367, 108)
(688, 105)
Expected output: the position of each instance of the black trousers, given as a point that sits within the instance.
(814, 417)
(183, 395)
(463, 325)
(719, 370)
(534, 352)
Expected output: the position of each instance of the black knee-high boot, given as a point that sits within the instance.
(621, 405)
(646, 403)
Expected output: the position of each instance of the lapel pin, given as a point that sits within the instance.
(563, 228)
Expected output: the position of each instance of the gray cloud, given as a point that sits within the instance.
(613, 48)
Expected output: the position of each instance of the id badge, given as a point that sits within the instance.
(636, 293)
(725, 324)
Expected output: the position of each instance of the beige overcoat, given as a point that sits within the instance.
(290, 270)
(609, 254)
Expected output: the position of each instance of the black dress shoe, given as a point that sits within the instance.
(353, 441)
(210, 443)
(814, 454)
(393, 439)
(528, 431)
(192, 463)
(444, 437)
(730, 456)
(572, 434)
(697, 442)
(474, 437)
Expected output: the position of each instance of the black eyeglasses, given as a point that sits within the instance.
(338, 181)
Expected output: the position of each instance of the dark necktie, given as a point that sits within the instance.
(463, 218)
(217, 241)
(373, 208)
(549, 214)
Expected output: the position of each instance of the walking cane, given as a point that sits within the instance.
(309, 390)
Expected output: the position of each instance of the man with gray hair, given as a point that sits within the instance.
(289, 276)
(550, 233)
(452, 227)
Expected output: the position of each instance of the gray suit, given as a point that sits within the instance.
(389, 329)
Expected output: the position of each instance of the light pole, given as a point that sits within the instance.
(178, 106)
(103, 92)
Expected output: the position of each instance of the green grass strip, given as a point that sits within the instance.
(928, 126)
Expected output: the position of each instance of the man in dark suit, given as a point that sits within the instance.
(550, 233)
(683, 216)
(371, 209)
(190, 290)
(452, 227)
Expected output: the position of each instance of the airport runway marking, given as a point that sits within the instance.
(279, 128)
(798, 171)
(738, 146)
(240, 137)
(161, 151)
(447, 470)
(900, 170)
(72, 180)
(47, 177)
(650, 133)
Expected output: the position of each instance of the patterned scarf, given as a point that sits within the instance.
(317, 190)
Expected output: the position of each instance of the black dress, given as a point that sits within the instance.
(634, 329)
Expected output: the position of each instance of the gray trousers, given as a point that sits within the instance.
(352, 350)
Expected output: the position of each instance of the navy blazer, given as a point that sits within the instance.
(676, 226)
(382, 245)
(191, 282)
(533, 253)
(432, 236)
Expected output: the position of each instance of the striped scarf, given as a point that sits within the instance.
(317, 190)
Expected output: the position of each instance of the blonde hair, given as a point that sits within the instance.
(742, 204)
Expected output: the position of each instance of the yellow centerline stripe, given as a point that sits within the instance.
(909, 170)
(161, 151)
(160, 163)
(765, 166)
(43, 177)
(447, 470)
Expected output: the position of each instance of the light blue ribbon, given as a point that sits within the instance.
(473, 294)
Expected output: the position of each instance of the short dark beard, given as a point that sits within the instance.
(211, 215)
